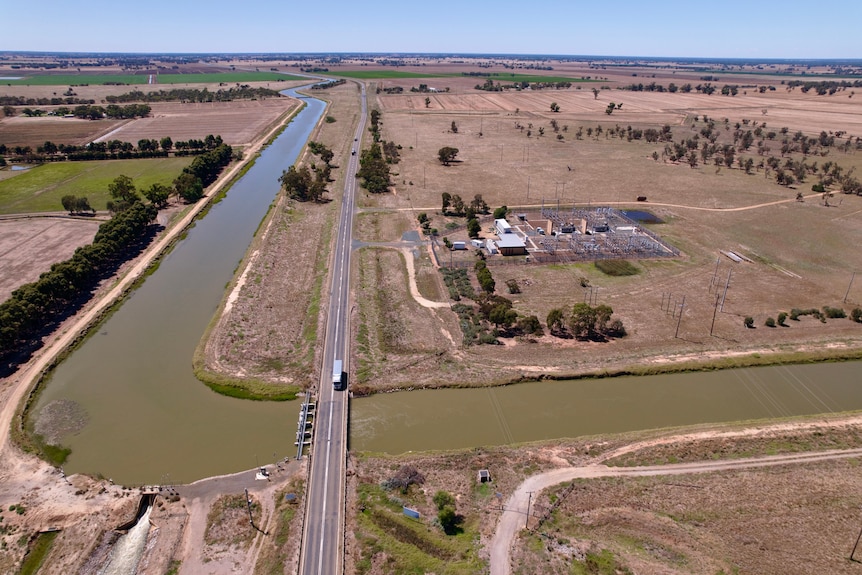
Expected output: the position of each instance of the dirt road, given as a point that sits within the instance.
(514, 516)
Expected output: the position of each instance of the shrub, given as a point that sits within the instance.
(443, 499)
(781, 318)
(833, 312)
(856, 315)
(748, 322)
(770, 322)
(616, 267)
(513, 286)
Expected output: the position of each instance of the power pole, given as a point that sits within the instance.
(726, 285)
(855, 545)
(715, 274)
(853, 277)
(714, 311)
(679, 321)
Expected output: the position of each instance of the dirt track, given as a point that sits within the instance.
(515, 510)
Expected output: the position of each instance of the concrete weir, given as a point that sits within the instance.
(127, 551)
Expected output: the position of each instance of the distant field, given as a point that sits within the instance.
(384, 74)
(503, 76)
(101, 79)
(41, 188)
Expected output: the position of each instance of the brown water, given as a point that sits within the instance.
(463, 418)
(149, 420)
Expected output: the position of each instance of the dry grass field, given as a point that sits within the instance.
(29, 246)
(802, 252)
(799, 519)
(238, 123)
(33, 132)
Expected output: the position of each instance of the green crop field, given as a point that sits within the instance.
(383, 74)
(41, 188)
(505, 77)
(136, 79)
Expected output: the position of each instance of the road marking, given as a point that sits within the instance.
(325, 489)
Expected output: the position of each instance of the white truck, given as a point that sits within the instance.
(338, 374)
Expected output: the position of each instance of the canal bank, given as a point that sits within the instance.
(145, 416)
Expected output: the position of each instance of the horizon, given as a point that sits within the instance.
(524, 56)
(738, 30)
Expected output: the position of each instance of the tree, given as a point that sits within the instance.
(189, 187)
(447, 201)
(530, 325)
(782, 316)
(595, 93)
(158, 195)
(556, 321)
(555, 107)
(70, 203)
(166, 143)
(8, 111)
(500, 212)
(449, 520)
(458, 207)
(502, 316)
(301, 185)
(427, 102)
(447, 154)
(479, 205)
(610, 109)
(770, 322)
(856, 315)
(748, 322)
(454, 127)
(473, 228)
(123, 188)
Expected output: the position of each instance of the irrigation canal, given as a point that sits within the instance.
(148, 420)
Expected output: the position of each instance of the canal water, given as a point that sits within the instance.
(463, 418)
(148, 419)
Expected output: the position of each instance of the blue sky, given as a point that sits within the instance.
(670, 28)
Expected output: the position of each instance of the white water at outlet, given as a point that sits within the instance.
(129, 548)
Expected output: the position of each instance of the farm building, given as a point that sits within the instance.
(511, 245)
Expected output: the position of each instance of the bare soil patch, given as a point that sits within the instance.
(238, 122)
(28, 247)
(33, 132)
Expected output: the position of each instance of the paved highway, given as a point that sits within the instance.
(323, 528)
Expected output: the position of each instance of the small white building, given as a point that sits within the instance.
(502, 227)
(491, 246)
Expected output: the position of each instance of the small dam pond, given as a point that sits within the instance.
(463, 418)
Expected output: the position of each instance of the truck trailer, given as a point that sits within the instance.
(338, 374)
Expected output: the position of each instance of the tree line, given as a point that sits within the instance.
(6, 100)
(309, 184)
(112, 150)
(242, 92)
(37, 307)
